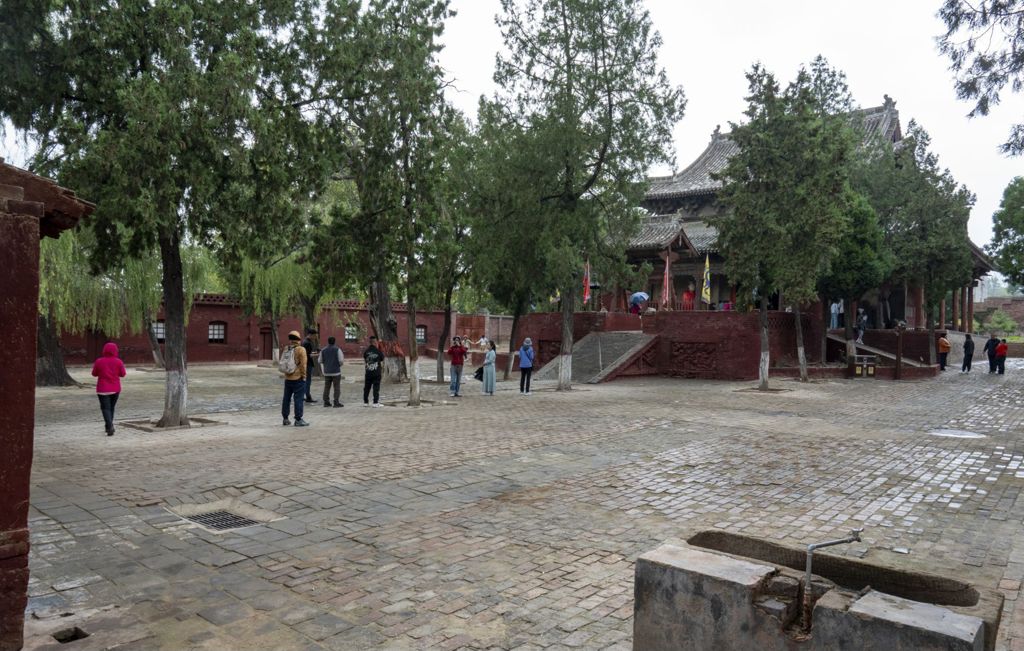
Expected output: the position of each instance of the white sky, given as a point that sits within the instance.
(883, 47)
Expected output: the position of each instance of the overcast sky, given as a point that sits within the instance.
(883, 47)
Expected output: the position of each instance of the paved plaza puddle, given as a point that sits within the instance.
(956, 434)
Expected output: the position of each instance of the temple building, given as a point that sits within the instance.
(680, 228)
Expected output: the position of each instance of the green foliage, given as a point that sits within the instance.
(1007, 245)
(117, 300)
(984, 41)
(583, 110)
(787, 187)
(1000, 322)
(923, 212)
(862, 261)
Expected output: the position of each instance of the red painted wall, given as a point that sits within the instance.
(719, 345)
(247, 339)
(19, 298)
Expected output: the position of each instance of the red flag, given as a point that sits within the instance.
(586, 283)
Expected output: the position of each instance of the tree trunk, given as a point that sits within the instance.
(386, 328)
(445, 330)
(154, 343)
(565, 352)
(929, 321)
(414, 356)
(176, 388)
(851, 348)
(762, 370)
(827, 316)
(50, 368)
(801, 356)
(512, 340)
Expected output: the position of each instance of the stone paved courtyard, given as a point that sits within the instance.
(502, 522)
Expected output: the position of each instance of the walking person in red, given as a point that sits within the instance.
(1001, 349)
(458, 355)
(108, 370)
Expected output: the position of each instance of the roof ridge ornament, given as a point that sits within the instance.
(717, 133)
(888, 103)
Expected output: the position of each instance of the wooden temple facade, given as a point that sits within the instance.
(679, 229)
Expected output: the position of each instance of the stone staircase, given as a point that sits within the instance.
(597, 355)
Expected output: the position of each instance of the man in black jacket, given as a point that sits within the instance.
(990, 348)
(311, 355)
(968, 354)
(374, 360)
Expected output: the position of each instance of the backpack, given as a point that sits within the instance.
(287, 363)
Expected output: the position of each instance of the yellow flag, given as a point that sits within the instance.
(705, 290)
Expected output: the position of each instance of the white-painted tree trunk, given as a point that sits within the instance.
(762, 370)
(565, 372)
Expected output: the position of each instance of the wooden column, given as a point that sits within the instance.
(942, 314)
(970, 307)
(965, 324)
(19, 232)
(956, 309)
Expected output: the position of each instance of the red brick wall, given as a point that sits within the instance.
(247, 339)
(1012, 305)
(723, 345)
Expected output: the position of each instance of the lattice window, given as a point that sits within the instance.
(351, 333)
(160, 330)
(218, 332)
(421, 334)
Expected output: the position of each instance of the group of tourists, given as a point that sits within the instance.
(298, 361)
(487, 373)
(995, 348)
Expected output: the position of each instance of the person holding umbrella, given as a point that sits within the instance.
(635, 300)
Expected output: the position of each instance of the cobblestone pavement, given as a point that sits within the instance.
(504, 522)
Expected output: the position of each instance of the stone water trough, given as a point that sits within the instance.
(722, 591)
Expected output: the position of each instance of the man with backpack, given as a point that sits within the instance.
(331, 361)
(293, 366)
(374, 361)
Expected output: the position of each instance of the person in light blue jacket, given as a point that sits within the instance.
(489, 367)
(526, 357)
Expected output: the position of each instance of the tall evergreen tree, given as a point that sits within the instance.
(583, 77)
(1008, 232)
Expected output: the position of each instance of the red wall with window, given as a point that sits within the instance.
(245, 338)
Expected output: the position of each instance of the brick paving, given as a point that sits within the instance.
(502, 522)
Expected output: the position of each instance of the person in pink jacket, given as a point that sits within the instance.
(108, 370)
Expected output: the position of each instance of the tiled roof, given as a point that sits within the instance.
(702, 235)
(696, 179)
(656, 232)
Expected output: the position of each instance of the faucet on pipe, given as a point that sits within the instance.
(853, 537)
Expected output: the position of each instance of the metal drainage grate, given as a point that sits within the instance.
(221, 520)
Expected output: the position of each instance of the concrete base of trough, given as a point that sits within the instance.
(691, 598)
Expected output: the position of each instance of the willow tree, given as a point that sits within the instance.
(185, 122)
(121, 300)
(583, 75)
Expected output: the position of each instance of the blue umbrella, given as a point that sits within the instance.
(639, 297)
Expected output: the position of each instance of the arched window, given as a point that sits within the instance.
(218, 332)
(421, 334)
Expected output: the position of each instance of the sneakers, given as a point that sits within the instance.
(301, 423)
(286, 422)
(376, 404)
(366, 404)
(110, 432)
(337, 404)
(311, 400)
(327, 405)
(527, 394)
